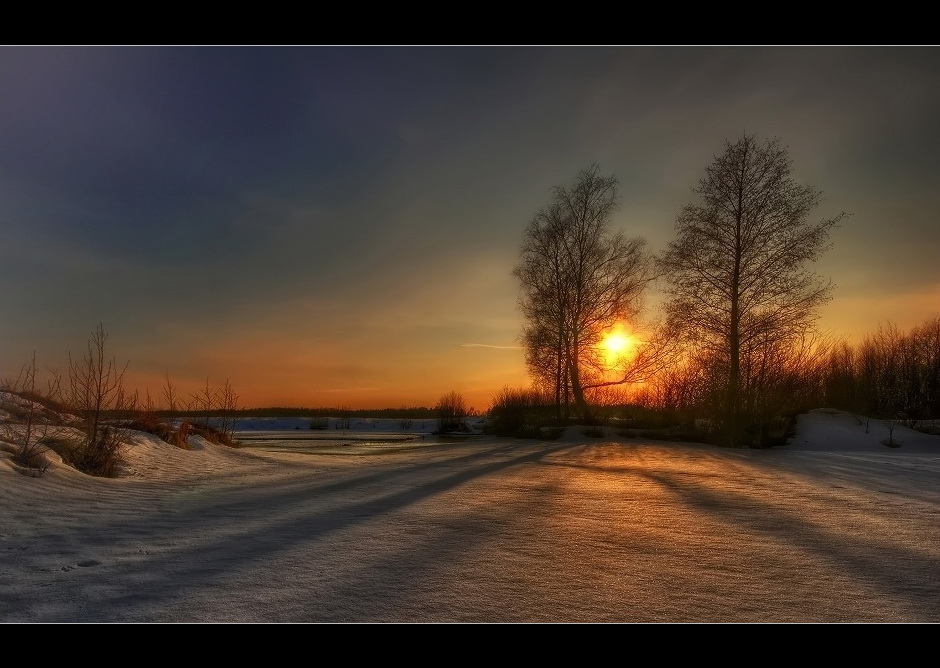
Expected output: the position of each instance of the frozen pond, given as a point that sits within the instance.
(322, 442)
(341, 436)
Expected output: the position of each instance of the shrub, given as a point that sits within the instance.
(212, 434)
(95, 389)
(451, 411)
(520, 413)
(35, 415)
(28, 452)
(180, 438)
(99, 456)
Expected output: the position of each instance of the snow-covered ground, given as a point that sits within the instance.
(829, 430)
(834, 527)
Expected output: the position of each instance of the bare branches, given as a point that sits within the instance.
(577, 279)
(451, 411)
(228, 403)
(651, 358)
(170, 394)
(212, 403)
(95, 389)
(737, 271)
(29, 452)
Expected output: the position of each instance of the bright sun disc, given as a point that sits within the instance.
(617, 346)
(616, 342)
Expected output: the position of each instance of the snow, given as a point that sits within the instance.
(833, 527)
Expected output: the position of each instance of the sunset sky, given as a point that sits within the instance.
(337, 225)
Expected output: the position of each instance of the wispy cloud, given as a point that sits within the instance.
(351, 389)
(487, 345)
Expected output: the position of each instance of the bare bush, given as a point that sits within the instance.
(521, 412)
(181, 436)
(29, 435)
(96, 390)
(451, 411)
(228, 404)
(221, 402)
(203, 402)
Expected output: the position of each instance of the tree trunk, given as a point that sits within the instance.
(734, 335)
(733, 407)
(576, 389)
(559, 378)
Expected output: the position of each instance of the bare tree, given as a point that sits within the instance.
(228, 404)
(147, 412)
(34, 425)
(170, 394)
(451, 411)
(840, 375)
(737, 270)
(204, 401)
(928, 337)
(95, 390)
(890, 374)
(681, 392)
(577, 279)
(54, 385)
(546, 363)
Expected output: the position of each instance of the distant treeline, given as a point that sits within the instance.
(416, 412)
(891, 374)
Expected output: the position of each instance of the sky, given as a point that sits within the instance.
(337, 225)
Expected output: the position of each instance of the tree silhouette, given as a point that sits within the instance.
(577, 278)
(451, 411)
(737, 271)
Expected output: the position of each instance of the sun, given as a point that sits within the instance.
(617, 344)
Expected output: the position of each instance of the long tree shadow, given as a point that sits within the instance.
(899, 572)
(257, 523)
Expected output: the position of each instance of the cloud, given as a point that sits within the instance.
(487, 345)
(351, 389)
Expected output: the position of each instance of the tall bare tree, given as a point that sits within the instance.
(577, 279)
(738, 269)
